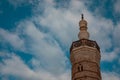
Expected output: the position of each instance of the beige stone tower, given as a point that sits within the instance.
(85, 56)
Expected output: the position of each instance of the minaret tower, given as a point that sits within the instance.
(85, 56)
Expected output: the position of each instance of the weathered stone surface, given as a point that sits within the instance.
(85, 62)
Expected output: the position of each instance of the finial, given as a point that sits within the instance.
(82, 16)
(83, 34)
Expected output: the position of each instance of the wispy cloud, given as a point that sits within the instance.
(14, 66)
(18, 3)
(11, 38)
(44, 47)
(110, 56)
(110, 76)
(116, 6)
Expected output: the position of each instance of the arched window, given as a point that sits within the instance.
(80, 67)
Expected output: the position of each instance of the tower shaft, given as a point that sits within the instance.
(85, 56)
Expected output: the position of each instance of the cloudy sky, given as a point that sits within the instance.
(36, 35)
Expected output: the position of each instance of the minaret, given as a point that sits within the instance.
(85, 56)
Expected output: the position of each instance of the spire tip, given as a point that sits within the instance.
(82, 16)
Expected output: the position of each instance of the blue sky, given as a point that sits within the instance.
(35, 37)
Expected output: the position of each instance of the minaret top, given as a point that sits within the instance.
(82, 16)
(83, 34)
(82, 21)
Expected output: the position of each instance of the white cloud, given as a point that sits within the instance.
(16, 67)
(100, 30)
(12, 39)
(44, 47)
(110, 56)
(17, 3)
(62, 23)
(116, 36)
(110, 76)
(117, 6)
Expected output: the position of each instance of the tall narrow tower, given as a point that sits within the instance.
(85, 56)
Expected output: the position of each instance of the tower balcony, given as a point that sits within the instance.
(84, 42)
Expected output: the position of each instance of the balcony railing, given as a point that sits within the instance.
(84, 42)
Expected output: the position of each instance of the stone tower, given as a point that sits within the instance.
(85, 56)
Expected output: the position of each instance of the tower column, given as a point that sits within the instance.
(85, 56)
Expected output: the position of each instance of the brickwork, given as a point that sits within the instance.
(85, 63)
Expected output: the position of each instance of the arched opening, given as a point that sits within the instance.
(80, 67)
